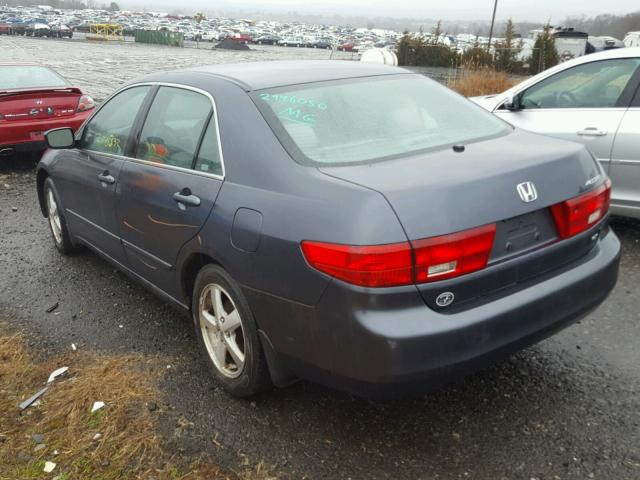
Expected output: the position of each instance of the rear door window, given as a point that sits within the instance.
(173, 127)
(109, 129)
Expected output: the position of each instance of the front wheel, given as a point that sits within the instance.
(227, 333)
(57, 222)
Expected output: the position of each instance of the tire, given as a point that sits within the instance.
(222, 343)
(57, 222)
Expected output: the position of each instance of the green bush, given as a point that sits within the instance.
(413, 50)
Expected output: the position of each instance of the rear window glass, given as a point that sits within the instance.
(25, 76)
(372, 119)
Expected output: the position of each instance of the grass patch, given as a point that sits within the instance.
(129, 446)
(481, 81)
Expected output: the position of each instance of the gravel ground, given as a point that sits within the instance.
(567, 408)
(100, 67)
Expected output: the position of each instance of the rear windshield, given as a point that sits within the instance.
(372, 119)
(27, 76)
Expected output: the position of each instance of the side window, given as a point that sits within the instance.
(209, 155)
(592, 85)
(108, 131)
(173, 127)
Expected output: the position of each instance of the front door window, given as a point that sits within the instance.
(109, 129)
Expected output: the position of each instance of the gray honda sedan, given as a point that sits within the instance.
(356, 225)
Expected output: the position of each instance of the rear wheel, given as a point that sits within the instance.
(57, 223)
(227, 333)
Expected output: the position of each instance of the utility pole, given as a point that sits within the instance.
(493, 21)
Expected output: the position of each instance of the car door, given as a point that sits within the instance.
(585, 103)
(625, 163)
(88, 175)
(167, 192)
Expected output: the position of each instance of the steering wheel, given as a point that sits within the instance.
(566, 99)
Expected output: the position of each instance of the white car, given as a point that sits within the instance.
(594, 100)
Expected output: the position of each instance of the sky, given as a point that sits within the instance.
(519, 10)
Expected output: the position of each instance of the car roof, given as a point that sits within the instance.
(259, 75)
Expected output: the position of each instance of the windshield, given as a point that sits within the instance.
(18, 77)
(372, 119)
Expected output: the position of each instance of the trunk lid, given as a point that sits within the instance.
(38, 104)
(445, 192)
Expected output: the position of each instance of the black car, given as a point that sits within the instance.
(321, 43)
(267, 40)
(60, 31)
(357, 225)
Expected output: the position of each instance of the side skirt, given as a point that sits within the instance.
(185, 309)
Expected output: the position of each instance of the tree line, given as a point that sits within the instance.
(504, 55)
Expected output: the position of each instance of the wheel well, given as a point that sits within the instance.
(190, 270)
(40, 179)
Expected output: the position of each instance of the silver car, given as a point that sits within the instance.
(594, 100)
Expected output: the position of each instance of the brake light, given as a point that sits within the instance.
(453, 255)
(85, 103)
(405, 263)
(578, 214)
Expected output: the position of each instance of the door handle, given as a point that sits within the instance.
(185, 197)
(592, 132)
(106, 177)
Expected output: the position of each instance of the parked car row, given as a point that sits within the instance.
(199, 28)
(36, 29)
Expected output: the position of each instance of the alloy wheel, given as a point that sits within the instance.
(222, 332)
(54, 217)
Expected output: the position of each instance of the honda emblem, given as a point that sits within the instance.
(527, 192)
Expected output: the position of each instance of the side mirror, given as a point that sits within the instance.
(512, 104)
(60, 138)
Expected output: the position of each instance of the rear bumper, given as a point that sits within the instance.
(624, 210)
(390, 343)
(27, 135)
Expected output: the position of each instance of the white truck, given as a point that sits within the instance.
(632, 39)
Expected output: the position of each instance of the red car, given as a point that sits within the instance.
(34, 99)
(348, 47)
(240, 38)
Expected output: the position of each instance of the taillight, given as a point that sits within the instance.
(368, 266)
(453, 255)
(578, 214)
(420, 261)
(85, 103)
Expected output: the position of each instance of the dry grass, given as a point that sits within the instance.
(482, 81)
(129, 446)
